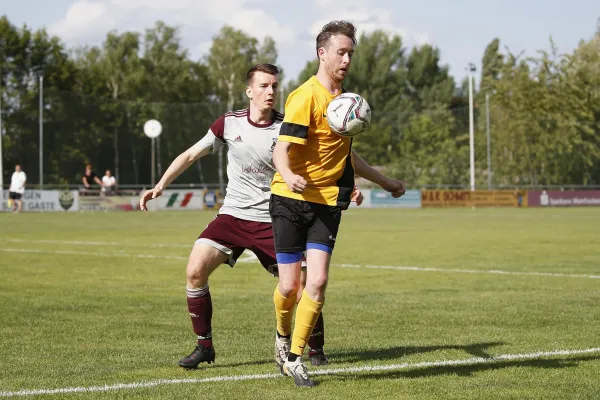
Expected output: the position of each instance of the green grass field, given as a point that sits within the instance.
(97, 300)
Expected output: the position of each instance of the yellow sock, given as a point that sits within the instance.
(284, 310)
(306, 318)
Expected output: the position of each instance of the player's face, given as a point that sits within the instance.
(262, 90)
(17, 168)
(338, 56)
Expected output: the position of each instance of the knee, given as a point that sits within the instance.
(289, 287)
(316, 285)
(197, 272)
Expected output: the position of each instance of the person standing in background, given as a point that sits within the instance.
(17, 188)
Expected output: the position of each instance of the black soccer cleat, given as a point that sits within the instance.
(199, 355)
(317, 358)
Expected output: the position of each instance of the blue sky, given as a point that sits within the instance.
(460, 28)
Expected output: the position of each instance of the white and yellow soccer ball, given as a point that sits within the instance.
(349, 114)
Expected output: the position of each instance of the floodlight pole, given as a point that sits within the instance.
(1, 159)
(489, 153)
(39, 71)
(471, 128)
(41, 123)
(152, 129)
(153, 162)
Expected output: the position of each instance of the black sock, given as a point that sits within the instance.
(292, 357)
(281, 336)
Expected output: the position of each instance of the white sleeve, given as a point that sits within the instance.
(208, 142)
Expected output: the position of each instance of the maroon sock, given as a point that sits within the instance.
(317, 337)
(200, 308)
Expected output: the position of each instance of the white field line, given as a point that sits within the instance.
(251, 258)
(97, 243)
(469, 271)
(89, 253)
(368, 368)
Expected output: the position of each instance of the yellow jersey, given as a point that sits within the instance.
(319, 155)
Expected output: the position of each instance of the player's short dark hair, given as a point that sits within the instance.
(266, 68)
(335, 28)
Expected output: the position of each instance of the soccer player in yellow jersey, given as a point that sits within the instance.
(313, 184)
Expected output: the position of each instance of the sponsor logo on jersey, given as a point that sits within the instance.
(250, 169)
(238, 139)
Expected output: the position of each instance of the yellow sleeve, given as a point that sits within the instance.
(298, 110)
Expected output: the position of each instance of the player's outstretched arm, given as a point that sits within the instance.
(357, 196)
(364, 170)
(281, 160)
(178, 166)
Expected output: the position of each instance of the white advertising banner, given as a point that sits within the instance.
(45, 201)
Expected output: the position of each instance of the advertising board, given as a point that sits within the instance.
(476, 198)
(44, 201)
(567, 198)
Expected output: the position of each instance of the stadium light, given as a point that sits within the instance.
(471, 69)
(39, 71)
(152, 129)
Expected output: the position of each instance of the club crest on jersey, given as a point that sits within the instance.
(274, 143)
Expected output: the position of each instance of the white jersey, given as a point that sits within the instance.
(250, 166)
(17, 182)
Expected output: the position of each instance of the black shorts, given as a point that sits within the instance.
(297, 222)
(14, 195)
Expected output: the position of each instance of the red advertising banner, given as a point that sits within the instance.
(567, 198)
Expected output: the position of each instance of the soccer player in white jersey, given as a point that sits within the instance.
(243, 222)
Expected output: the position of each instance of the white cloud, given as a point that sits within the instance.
(84, 20)
(366, 18)
(88, 21)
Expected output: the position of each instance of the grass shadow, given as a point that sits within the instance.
(393, 353)
(469, 370)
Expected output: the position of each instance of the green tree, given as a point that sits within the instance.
(231, 55)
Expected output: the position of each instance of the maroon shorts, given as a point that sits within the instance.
(232, 236)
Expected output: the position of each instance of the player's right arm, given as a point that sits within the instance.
(202, 148)
(281, 160)
(294, 132)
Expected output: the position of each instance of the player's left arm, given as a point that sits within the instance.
(24, 181)
(357, 196)
(396, 187)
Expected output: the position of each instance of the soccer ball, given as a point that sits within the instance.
(348, 114)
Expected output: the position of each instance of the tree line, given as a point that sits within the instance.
(544, 113)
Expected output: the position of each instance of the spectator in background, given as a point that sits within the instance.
(17, 188)
(109, 183)
(89, 177)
